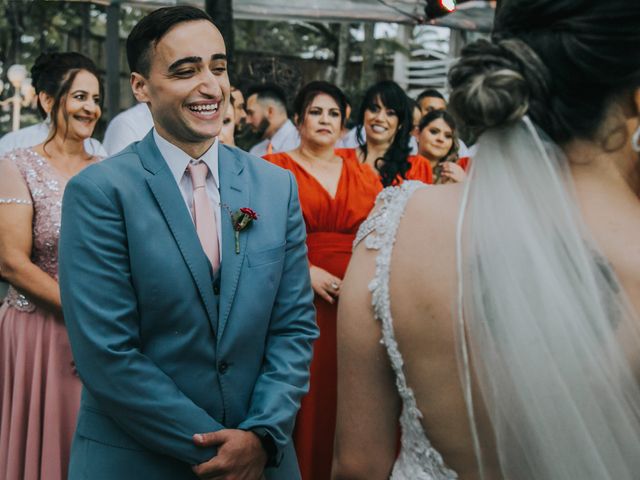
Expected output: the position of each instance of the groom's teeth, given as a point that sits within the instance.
(205, 108)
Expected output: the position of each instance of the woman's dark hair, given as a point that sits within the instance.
(150, 30)
(562, 62)
(430, 93)
(311, 90)
(53, 74)
(396, 159)
(452, 154)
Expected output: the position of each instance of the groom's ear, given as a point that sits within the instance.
(139, 87)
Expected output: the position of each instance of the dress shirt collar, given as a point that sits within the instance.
(280, 137)
(178, 160)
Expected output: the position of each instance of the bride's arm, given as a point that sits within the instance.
(368, 403)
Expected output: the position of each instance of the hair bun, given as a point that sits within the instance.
(489, 88)
(42, 64)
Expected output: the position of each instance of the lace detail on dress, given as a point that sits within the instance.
(18, 301)
(417, 460)
(46, 187)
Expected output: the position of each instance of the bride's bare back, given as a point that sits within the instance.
(423, 286)
(550, 267)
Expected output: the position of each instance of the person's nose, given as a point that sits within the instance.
(381, 115)
(324, 118)
(90, 106)
(210, 85)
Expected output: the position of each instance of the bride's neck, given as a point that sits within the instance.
(617, 170)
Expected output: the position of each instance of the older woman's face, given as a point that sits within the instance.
(435, 140)
(380, 123)
(322, 122)
(80, 108)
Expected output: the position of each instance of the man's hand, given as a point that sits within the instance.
(240, 456)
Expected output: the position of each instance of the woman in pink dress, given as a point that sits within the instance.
(39, 389)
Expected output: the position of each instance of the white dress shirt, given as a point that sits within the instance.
(127, 127)
(350, 139)
(37, 134)
(178, 161)
(284, 140)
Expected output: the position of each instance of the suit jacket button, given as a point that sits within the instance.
(223, 367)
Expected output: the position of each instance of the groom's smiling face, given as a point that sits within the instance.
(187, 87)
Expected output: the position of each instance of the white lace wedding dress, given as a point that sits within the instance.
(417, 460)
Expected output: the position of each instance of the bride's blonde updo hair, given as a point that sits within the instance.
(562, 62)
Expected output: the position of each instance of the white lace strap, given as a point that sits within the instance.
(380, 232)
(389, 200)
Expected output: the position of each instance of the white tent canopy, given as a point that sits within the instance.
(473, 15)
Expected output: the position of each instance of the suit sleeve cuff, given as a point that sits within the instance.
(274, 457)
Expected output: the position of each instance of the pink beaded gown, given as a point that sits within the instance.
(40, 392)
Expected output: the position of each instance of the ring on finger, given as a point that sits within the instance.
(334, 285)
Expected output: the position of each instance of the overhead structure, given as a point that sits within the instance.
(469, 15)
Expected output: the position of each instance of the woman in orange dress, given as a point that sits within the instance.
(336, 194)
(386, 119)
(438, 143)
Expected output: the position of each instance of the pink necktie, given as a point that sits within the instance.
(203, 213)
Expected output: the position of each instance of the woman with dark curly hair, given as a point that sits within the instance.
(384, 132)
(533, 296)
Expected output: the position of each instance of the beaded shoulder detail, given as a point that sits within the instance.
(376, 227)
(417, 460)
(15, 201)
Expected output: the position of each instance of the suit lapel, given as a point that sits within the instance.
(169, 198)
(234, 194)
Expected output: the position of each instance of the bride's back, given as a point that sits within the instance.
(423, 287)
(540, 370)
(423, 293)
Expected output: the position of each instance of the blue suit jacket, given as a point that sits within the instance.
(164, 348)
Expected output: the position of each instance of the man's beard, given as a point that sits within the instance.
(241, 126)
(262, 128)
(249, 135)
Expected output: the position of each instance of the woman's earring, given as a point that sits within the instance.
(47, 120)
(635, 141)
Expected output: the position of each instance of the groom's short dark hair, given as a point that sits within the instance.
(150, 30)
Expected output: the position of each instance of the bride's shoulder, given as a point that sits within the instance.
(412, 203)
(434, 205)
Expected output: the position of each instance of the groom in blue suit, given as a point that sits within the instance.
(193, 363)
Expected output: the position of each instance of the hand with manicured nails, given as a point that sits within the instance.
(325, 284)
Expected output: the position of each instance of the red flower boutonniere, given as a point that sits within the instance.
(241, 220)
